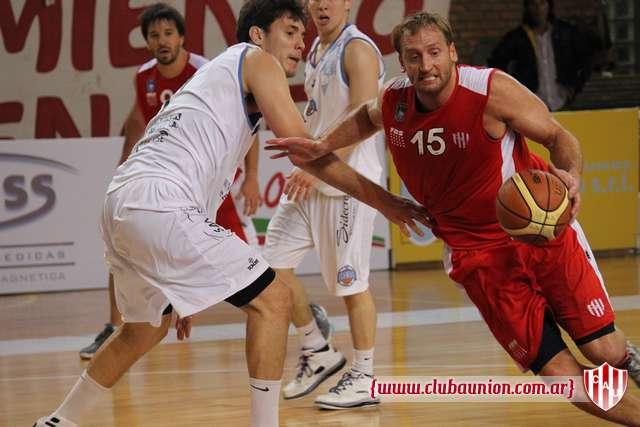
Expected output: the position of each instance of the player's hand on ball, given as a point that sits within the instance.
(405, 213)
(573, 185)
(183, 327)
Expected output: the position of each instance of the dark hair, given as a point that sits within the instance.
(160, 12)
(528, 19)
(262, 13)
(418, 20)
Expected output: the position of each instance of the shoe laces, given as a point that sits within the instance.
(303, 365)
(346, 380)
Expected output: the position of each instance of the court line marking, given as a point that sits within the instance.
(231, 331)
(243, 369)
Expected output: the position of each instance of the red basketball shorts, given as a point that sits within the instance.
(514, 284)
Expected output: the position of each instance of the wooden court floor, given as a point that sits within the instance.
(427, 328)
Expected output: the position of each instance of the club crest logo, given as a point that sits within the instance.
(605, 385)
(461, 139)
(401, 112)
(152, 100)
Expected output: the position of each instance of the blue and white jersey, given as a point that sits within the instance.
(327, 88)
(200, 136)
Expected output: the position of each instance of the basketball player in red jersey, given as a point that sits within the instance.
(456, 133)
(163, 29)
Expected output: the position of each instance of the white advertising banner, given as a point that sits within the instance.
(69, 65)
(50, 202)
(51, 196)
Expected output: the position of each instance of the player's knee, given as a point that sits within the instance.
(608, 348)
(279, 299)
(140, 338)
(275, 301)
(612, 353)
(361, 297)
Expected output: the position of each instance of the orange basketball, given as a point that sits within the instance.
(533, 206)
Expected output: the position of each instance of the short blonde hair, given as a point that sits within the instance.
(418, 20)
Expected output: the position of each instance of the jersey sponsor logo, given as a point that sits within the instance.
(163, 122)
(346, 275)
(28, 187)
(191, 211)
(596, 307)
(396, 137)
(252, 263)
(401, 112)
(345, 225)
(226, 188)
(216, 231)
(152, 100)
(461, 139)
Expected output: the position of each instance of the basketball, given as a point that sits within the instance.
(533, 206)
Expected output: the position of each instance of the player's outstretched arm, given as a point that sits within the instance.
(402, 212)
(511, 104)
(360, 124)
(265, 79)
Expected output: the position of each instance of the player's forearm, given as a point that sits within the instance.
(338, 174)
(355, 128)
(344, 152)
(565, 153)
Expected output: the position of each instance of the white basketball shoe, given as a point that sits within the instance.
(313, 368)
(352, 391)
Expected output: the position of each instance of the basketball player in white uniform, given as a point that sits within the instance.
(343, 70)
(161, 245)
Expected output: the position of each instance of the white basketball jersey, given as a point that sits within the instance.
(199, 136)
(327, 89)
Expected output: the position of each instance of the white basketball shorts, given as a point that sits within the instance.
(340, 228)
(163, 255)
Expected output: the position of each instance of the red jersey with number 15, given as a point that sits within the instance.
(152, 90)
(449, 163)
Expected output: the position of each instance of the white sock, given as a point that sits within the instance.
(311, 336)
(81, 399)
(265, 400)
(363, 361)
